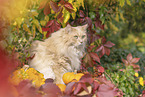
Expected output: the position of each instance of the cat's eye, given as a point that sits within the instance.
(83, 36)
(76, 37)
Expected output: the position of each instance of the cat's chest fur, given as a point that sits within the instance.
(59, 53)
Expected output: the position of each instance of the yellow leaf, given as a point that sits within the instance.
(25, 27)
(121, 3)
(128, 2)
(81, 3)
(121, 16)
(39, 28)
(66, 16)
(117, 17)
(73, 15)
(43, 22)
(35, 13)
(136, 74)
(141, 81)
(15, 23)
(46, 18)
(44, 33)
(35, 22)
(70, 1)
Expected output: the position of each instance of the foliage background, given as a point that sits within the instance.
(120, 21)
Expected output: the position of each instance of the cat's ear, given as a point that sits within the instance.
(68, 28)
(84, 27)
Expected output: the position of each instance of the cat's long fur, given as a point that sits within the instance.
(59, 53)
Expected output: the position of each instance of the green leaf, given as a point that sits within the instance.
(123, 78)
(92, 15)
(123, 89)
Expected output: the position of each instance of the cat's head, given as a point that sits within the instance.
(76, 36)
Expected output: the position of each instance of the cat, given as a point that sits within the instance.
(60, 53)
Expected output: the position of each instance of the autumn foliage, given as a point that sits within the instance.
(50, 16)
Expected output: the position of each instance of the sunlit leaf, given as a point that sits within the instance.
(66, 16)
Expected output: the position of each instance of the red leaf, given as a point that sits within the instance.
(98, 23)
(62, 2)
(86, 78)
(77, 89)
(49, 23)
(125, 61)
(135, 66)
(57, 25)
(70, 88)
(89, 21)
(109, 44)
(129, 57)
(52, 25)
(42, 4)
(48, 34)
(69, 10)
(95, 86)
(135, 60)
(103, 40)
(102, 26)
(45, 29)
(107, 51)
(81, 13)
(102, 52)
(68, 5)
(106, 91)
(46, 9)
(95, 56)
(26, 89)
(90, 48)
(51, 88)
(87, 59)
(99, 48)
(143, 93)
(54, 6)
(60, 14)
(100, 69)
(79, 86)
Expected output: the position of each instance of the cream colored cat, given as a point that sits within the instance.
(60, 53)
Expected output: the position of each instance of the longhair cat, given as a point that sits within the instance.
(60, 53)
